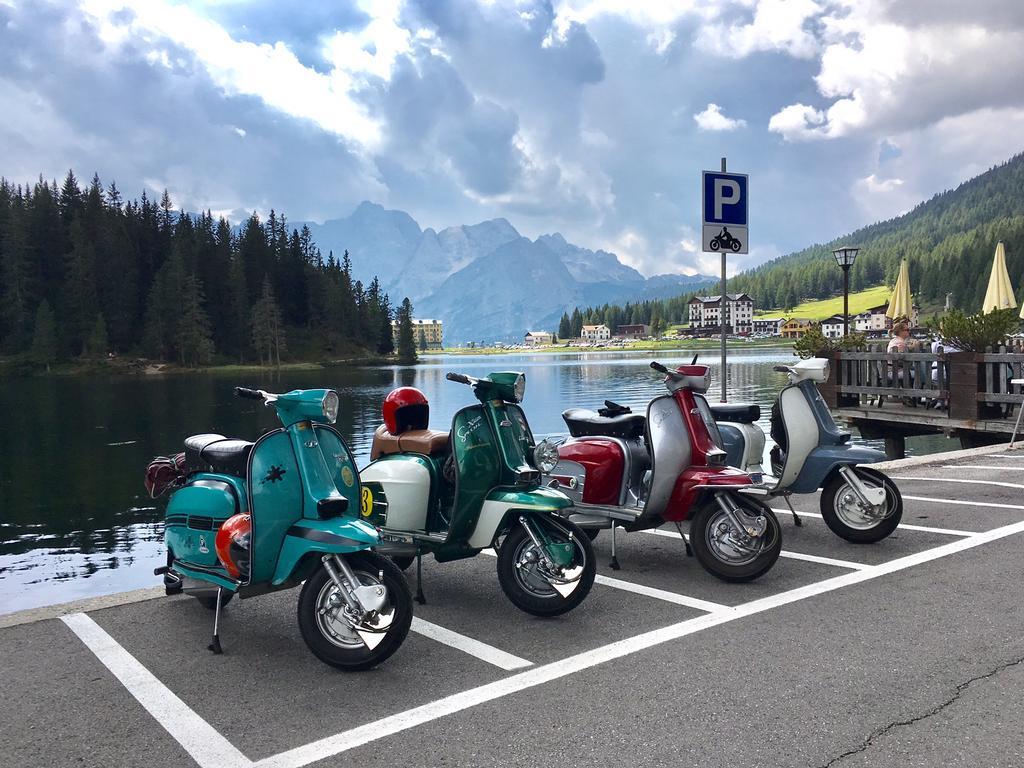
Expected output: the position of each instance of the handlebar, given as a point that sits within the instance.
(781, 368)
(658, 367)
(249, 394)
(460, 378)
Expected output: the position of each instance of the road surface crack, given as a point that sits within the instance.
(880, 732)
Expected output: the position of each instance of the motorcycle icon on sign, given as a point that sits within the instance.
(724, 240)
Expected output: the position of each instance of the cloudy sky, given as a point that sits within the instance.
(589, 117)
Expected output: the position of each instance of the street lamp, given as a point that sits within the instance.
(845, 256)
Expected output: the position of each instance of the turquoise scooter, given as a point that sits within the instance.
(252, 518)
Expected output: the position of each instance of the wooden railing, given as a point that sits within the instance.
(962, 385)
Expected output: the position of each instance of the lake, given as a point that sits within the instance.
(76, 522)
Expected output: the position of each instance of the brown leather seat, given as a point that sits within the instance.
(428, 441)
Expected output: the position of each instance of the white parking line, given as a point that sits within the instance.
(966, 503)
(482, 651)
(901, 526)
(785, 553)
(958, 480)
(196, 736)
(661, 594)
(1004, 456)
(657, 594)
(387, 726)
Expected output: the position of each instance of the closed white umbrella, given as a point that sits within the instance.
(900, 304)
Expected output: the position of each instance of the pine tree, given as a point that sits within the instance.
(98, 343)
(267, 330)
(80, 303)
(422, 341)
(44, 339)
(406, 341)
(565, 326)
(192, 339)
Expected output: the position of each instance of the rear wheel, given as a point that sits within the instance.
(526, 580)
(210, 601)
(334, 636)
(403, 561)
(844, 515)
(731, 554)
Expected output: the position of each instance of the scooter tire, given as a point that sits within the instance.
(702, 521)
(403, 561)
(831, 494)
(548, 604)
(356, 659)
(210, 602)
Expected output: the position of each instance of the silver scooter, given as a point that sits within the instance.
(859, 504)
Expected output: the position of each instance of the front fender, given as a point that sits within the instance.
(334, 536)
(826, 459)
(503, 502)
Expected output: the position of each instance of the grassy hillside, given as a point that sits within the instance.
(949, 242)
(819, 309)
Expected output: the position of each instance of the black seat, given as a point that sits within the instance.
(216, 453)
(741, 413)
(583, 422)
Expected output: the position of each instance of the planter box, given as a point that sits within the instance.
(965, 382)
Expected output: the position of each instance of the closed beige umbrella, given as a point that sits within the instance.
(900, 304)
(1000, 293)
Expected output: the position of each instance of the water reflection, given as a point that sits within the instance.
(75, 520)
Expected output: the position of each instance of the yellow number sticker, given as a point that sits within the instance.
(366, 502)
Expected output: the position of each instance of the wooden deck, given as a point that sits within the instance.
(980, 400)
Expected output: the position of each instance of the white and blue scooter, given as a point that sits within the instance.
(859, 504)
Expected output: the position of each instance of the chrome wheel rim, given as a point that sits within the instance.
(731, 546)
(850, 512)
(334, 623)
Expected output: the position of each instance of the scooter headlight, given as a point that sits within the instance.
(519, 388)
(545, 456)
(330, 405)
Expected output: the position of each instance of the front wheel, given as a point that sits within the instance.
(334, 635)
(527, 580)
(842, 512)
(731, 554)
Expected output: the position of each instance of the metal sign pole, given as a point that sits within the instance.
(721, 312)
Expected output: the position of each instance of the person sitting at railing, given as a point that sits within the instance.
(899, 344)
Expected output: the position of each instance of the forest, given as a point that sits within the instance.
(949, 242)
(85, 274)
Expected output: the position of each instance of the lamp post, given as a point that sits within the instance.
(845, 256)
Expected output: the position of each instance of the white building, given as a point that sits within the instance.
(538, 339)
(739, 312)
(595, 333)
(769, 326)
(875, 320)
(832, 327)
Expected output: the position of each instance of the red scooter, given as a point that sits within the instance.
(623, 469)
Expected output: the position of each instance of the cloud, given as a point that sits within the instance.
(893, 66)
(776, 25)
(712, 119)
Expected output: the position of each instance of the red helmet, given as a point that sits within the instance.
(232, 545)
(405, 408)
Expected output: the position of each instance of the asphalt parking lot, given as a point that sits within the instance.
(904, 653)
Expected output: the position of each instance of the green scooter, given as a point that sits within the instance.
(253, 518)
(458, 493)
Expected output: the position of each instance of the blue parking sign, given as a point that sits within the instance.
(724, 207)
(725, 198)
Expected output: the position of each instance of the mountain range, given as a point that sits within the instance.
(486, 281)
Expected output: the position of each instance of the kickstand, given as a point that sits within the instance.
(614, 564)
(419, 578)
(689, 550)
(796, 518)
(215, 645)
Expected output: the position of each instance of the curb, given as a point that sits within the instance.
(942, 458)
(86, 605)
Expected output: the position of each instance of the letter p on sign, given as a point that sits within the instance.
(727, 192)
